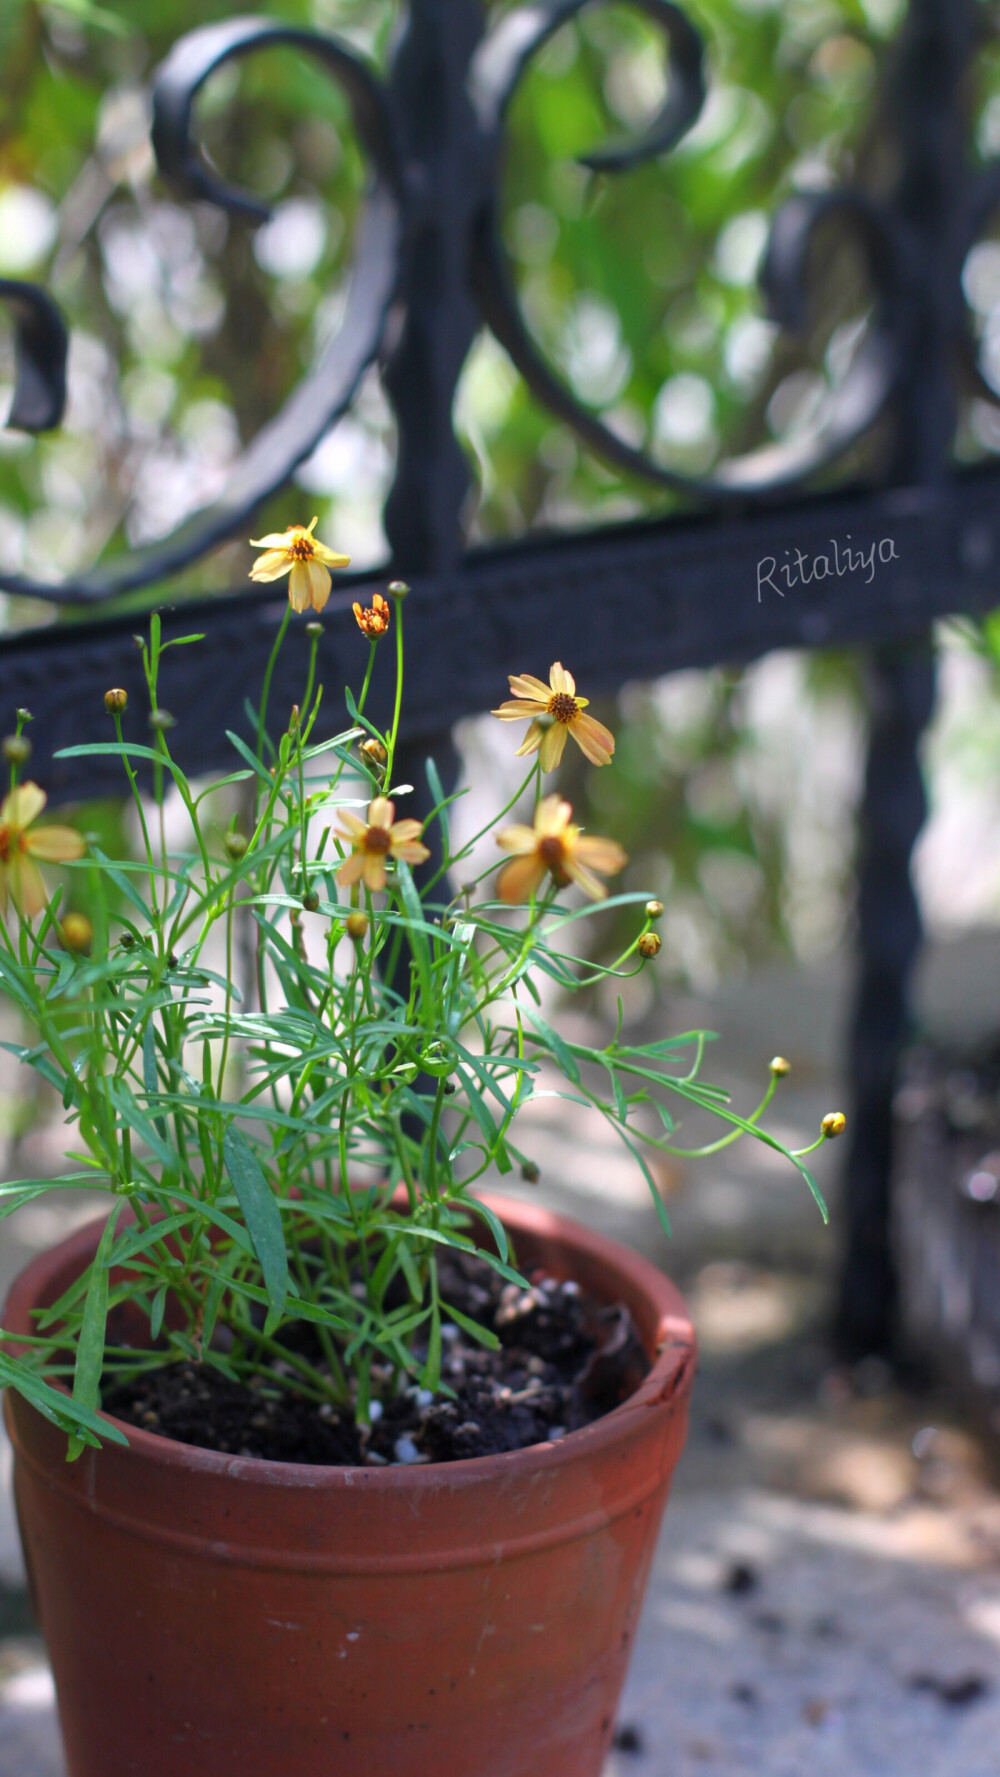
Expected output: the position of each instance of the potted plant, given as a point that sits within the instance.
(324, 1461)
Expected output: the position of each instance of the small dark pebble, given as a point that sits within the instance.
(740, 1579)
(628, 1739)
(745, 1693)
(957, 1693)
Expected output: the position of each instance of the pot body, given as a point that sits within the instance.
(220, 1614)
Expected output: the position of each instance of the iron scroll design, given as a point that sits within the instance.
(385, 273)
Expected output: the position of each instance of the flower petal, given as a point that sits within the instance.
(552, 817)
(411, 851)
(373, 870)
(352, 827)
(526, 685)
(517, 838)
(299, 591)
(532, 740)
(272, 565)
(23, 805)
(515, 709)
(553, 745)
(562, 681)
(273, 540)
(584, 879)
(595, 742)
(55, 845)
(381, 812)
(605, 855)
(521, 878)
(319, 583)
(351, 869)
(27, 890)
(404, 831)
(329, 557)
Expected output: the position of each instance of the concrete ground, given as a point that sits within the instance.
(826, 1594)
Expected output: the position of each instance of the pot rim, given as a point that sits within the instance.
(671, 1369)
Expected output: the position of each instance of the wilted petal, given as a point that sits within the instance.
(273, 540)
(521, 878)
(272, 565)
(329, 557)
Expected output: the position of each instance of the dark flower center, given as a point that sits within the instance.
(377, 839)
(550, 850)
(301, 549)
(563, 707)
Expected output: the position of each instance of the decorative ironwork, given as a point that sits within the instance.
(430, 271)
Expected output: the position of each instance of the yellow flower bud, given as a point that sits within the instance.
(780, 1067)
(654, 909)
(16, 748)
(115, 701)
(373, 751)
(357, 926)
(310, 900)
(834, 1123)
(650, 944)
(76, 932)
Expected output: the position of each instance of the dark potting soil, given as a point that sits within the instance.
(564, 1360)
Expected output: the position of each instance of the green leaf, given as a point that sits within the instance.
(251, 758)
(263, 1219)
(560, 1051)
(482, 1335)
(157, 1312)
(90, 1345)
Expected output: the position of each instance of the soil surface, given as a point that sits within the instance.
(564, 1360)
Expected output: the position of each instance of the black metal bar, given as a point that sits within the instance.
(930, 209)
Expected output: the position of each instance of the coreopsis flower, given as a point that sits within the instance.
(556, 711)
(20, 877)
(307, 562)
(376, 839)
(373, 621)
(555, 847)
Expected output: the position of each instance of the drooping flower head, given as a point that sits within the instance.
(556, 711)
(373, 621)
(307, 562)
(555, 847)
(20, 878)
(381, 837)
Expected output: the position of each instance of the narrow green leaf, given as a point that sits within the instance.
(482, 1335)
(560, 1051)
(90, 1345)
(263, 1219)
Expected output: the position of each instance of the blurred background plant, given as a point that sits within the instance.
(735, 787)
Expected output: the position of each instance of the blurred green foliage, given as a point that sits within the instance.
(188, 331)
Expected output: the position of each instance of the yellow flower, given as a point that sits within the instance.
(556, 712)
(373, 842)
(310, 563)
(555, 846)
(20, 878)
(374, 621)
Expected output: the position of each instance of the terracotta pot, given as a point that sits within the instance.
(210, 1614)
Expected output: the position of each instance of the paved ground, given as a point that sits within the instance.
(826, 1596)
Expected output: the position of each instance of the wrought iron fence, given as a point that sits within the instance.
(430, 272)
